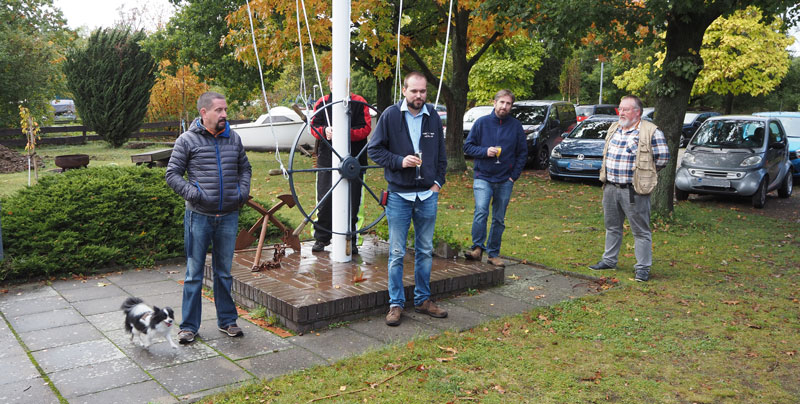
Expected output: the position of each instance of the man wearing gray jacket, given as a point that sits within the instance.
(217, 183)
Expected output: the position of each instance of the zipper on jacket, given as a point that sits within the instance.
(219, 170)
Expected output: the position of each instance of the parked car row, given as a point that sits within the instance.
(735, 155)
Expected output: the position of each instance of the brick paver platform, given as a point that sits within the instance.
(310, 291)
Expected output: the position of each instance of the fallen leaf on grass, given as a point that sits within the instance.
(391, 366)
(448, 349)
(342, 388)
(731, 302)
(593, 378)
(790, 353)
(447, 359)
(756, 326)
(499, 389)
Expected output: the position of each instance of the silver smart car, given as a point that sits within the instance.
(737, 155)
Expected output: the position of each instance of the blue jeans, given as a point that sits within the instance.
(498, 193)
(198, 232)
(399, 214)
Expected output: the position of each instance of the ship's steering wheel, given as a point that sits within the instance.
(349, 168)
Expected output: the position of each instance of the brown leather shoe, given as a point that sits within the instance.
(496, 261)
(393, 318)
(430, 308)
(474, 255)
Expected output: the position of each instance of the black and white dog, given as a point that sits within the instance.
(146, 322)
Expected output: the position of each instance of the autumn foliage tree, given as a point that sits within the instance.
(174, 97)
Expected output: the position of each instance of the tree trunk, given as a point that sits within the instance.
(384, 92)
(728, 103)
(681, 67)
(457, 97)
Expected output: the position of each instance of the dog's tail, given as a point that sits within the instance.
(128, 304)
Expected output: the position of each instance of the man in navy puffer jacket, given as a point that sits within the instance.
(217, 183)
(403, 129)
(497, 142)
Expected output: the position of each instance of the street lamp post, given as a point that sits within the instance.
(600, 98)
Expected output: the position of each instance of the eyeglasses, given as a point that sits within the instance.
(628, 109)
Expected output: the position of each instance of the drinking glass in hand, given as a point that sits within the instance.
(497, 155)
(419, 156)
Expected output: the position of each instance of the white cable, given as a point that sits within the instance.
(264, 93)
(397, 80)
(316, 65)
(303, 87)
(444, 57)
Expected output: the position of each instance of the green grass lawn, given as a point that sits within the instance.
(719, 322)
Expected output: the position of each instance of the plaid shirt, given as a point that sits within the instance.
(622, 154)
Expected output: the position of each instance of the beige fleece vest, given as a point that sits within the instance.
(645, 175)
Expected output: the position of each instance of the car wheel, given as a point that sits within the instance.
(760, 197)
(542, 158)
(785, 190)
(681, 195)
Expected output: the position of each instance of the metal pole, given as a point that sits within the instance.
(341, 127)
(600, 99)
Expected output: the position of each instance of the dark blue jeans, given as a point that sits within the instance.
(498, 193)
(200, 231)
(399, 214)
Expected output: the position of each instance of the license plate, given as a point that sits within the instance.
(579, 165)
(712, 182)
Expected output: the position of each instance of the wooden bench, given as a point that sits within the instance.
(155, 158)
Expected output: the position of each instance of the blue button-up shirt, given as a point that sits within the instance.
(414, 124)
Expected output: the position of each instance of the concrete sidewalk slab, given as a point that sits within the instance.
(74, 330)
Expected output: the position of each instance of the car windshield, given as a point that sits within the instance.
(791, 125)
(590, 130)
(689, 118)
(476, 113)
(584, 111)
(530, 114)
(725, 134)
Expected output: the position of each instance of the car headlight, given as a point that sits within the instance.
(533, 135)
(688, 158)
(556, 153)
(750, 161)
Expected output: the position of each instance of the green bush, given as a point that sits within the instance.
(89, 219)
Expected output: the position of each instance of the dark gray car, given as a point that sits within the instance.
(737, 155)
(544, 122)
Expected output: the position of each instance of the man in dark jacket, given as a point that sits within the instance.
(360, 126)
(407, 128)
(497, 142)
(217, 184)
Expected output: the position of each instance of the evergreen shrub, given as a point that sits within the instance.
(87, 220)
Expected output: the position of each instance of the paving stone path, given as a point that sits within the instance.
(71, 333)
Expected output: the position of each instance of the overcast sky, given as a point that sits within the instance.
(103, 13)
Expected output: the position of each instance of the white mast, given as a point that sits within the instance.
(340, 206)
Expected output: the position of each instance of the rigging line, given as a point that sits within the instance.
(303, 87)
(316, 65)
(264, 92)
(397, 79)
(444, 57)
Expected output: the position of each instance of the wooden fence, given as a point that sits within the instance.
(14, 137)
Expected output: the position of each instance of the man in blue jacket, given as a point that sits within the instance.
(217, 184)
(497, 142)
(414, 181)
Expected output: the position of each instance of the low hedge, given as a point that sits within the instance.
(83, 221)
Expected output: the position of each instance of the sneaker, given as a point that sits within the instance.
(496, 261)
(232, 330)
(319, 246)
(601, 266)
(474, 255)
(393, 318)
(186, 336)
(430, 308)
(642, 276)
